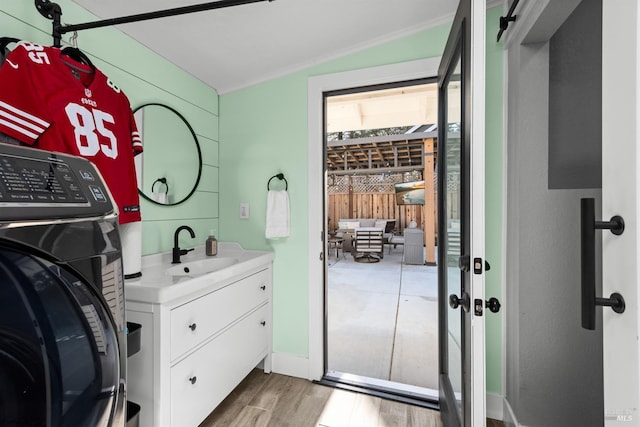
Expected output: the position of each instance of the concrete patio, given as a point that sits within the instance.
(383, 320)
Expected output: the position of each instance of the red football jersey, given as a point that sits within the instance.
(52, 102)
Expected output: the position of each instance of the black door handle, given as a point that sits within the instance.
(588, 227)
(493, 304)
(464, 301)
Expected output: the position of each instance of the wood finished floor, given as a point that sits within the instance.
(275, 400)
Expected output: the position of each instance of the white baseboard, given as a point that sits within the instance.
(288, 364)
(495, 406)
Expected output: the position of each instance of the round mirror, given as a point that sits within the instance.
(170, 166)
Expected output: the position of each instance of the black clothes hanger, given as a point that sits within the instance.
(4, 42)
(79, 56)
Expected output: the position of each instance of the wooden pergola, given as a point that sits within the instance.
(396, 153)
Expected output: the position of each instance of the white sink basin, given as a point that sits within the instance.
(198, 268)
(163, 282)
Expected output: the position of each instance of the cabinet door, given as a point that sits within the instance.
(203, 379)
(194, 322)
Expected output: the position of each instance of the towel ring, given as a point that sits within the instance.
(162, 181)
(281, 177)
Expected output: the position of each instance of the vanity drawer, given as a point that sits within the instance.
(202, 380)
(197, 320)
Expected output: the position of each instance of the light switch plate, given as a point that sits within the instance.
(244, 210)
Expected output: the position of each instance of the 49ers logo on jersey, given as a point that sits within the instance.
(89, 128)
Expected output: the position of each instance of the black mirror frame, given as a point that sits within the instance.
(195, 139)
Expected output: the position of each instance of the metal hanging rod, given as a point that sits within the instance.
(53, 11)
(504, 20)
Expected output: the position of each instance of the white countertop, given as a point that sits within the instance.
(155, 286)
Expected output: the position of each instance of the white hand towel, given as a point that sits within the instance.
(277, 214)
(161, 198)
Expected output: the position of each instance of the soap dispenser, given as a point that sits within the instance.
(211, 246)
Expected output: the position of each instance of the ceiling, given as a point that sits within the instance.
(240, 46)
(394, 107)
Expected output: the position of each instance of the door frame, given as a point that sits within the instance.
(620, 185)
(411, 70)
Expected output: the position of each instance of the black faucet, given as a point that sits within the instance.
(177, 252)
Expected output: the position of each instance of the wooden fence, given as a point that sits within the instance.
(373, 205)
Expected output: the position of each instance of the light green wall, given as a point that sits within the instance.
(145, 77)
(263, 131)
(493, 199)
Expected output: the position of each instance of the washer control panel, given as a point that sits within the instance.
(38, 184)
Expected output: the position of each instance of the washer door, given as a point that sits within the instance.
(59, 356)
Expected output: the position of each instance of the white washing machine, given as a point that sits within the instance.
(62, 325)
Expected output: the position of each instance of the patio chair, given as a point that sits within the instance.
(367, 244)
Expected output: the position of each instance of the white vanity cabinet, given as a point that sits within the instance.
(196, 349)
